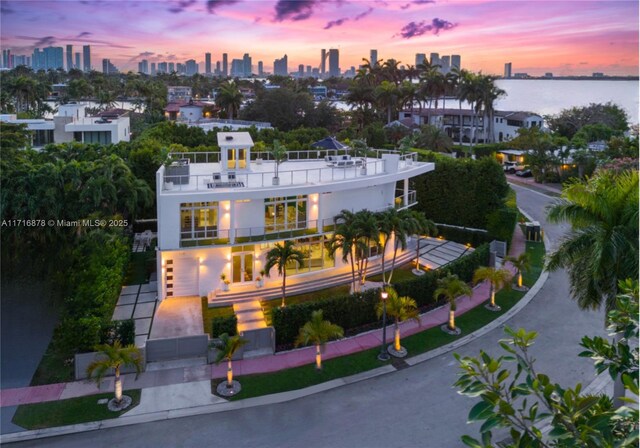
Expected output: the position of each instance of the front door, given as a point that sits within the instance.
(242, 267)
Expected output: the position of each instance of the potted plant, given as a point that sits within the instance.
(259, 148)
(225, 282)
(259, 282)
(279, 153)
(360, 148)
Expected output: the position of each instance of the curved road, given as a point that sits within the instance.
(415, 407)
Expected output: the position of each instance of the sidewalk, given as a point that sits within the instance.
(271, 363)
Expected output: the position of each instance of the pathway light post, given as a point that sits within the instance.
(384, 356)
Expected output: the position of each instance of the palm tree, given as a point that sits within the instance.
(115, 357)
(420, 225)
(386, 96)
(367, 230)
(488, 93)
(497, 278)
(451, 287)
(345, 239)
(400, 309)
(602, 247)
(522, 263)
(229, 97)
(388, 221)
(227, 346)
(279, 153)
(280, 256)
(318, 331)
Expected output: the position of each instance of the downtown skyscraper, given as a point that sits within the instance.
(86, 58)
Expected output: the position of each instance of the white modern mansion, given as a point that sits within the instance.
(453, 121)
(219, 213)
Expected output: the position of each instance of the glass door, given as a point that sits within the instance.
(242, 267)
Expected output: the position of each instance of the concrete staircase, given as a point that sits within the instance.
(250, 315)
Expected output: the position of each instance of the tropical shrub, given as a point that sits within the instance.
(221, 325)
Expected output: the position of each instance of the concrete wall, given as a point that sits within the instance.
(260, 339)
(82, 361)
(177, 348)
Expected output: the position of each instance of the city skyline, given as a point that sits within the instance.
(487, 34)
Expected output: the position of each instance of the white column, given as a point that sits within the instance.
(232, 221)
(406, 192)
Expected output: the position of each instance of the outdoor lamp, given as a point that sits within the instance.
(384, 356)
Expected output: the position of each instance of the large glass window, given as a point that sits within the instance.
(198, 220)
(316, 255)
(286, 213)
(102, 137)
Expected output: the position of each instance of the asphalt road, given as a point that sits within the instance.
(414, 407)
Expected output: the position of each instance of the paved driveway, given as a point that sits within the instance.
(414, 407)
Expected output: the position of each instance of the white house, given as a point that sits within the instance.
(453, 121)
(71, 124)
(219, 213)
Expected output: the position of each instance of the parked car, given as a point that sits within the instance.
(524, 173)
(511, 167)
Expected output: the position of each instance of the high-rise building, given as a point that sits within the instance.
(373, 57)
(162, 67)
(301, 70)
(323, 62)
(334, 62)
(225, 64)
(69, 57)
(181, 69)
(77, 64)
(420, 58)
(308, 70)
(191, 67)
(507, 70)
(143, 67)
(434, 58)
(86, 58)
(455, 61)
(171, 67)
(49, 58)
(445, 64)
(207, 63)
(6, 56)
(153, 69)
(17, 60)
(260, 68)
(281, 66)
(108, 68)
(247, 66)
(218, 68)
(237, 68)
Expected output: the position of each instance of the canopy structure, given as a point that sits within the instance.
(329, 143)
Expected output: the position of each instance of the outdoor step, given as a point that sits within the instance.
(251, 326)
(244, 306)
(250, 316)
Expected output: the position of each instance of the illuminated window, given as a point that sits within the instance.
(285, 213)
(198, 220)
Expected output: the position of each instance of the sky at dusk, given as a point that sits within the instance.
(563, 37)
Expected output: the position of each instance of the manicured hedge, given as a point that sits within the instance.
(121, 330)
(358, 310)
(461, 192)
(464, 236)
(221, 325)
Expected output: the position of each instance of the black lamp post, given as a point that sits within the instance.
(384, 356)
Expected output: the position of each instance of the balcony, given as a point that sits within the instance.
(412, 200)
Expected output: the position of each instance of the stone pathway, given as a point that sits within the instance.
(138, 302)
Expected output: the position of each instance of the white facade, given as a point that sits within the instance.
(221, 213)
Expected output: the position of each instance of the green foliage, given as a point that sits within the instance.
(227, 346)
(318, 331)
(78, 335)
(488, 149)
(220, 325)
(119, 330)
(461, 192)
(358, 310)
(13, 137)
(464, 236)
(569, 121)
(522, 398)
(501, 223)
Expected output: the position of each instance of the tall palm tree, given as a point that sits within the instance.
(497, 278)
(488, 93)
(400, 309)
(388, 221)
(229, 97)
(280, 256)
(367, 229)
(115, 357)
(318, 331)
(345, 239)
(387, 95)
(602, 247)
(227, 346)
(420, 226)
(451, 287)
(522, 263)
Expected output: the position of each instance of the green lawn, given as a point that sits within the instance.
(54, 367)
(400, 274)
(69, 412)
(305, 376)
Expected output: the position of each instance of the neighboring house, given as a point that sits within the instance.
(70, 124)
(505, 126)
(202, 114)
(178, 93)
(220, 212)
